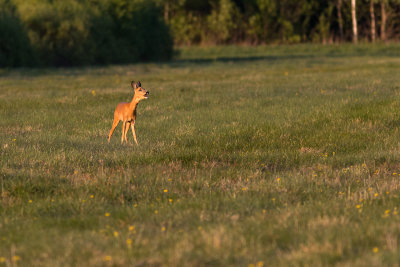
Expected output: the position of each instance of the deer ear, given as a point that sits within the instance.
(133, 84)
(139, 84)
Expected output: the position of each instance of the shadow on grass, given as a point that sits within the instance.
(240, 59)
(228, 54)
(245, 59)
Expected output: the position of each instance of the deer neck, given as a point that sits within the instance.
(133, 104)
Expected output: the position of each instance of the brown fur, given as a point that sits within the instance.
(126, 112)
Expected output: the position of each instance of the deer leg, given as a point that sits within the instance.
(126, 131)
(123, 131)
(115, 123)
(133, 132)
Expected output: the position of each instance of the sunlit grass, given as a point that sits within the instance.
(248, 156)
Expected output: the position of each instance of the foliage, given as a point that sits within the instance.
(58, 30)
(222, 22)
(139, 25)
(15, 49)
(260, 23)
(72, 32)
(187, 28)
(273, 21)
(75, 32)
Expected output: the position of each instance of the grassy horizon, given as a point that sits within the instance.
(274, 155)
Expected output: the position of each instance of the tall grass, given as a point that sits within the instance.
(265, 156)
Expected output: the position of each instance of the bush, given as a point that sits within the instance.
(140, 30)
(59, 31)
(15, 49)
(73, 32)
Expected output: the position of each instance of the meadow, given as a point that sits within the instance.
(247, 156)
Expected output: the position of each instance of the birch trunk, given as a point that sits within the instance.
(354, 19)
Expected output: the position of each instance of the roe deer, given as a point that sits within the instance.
(126, 112)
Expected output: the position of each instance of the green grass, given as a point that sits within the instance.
(286, 155)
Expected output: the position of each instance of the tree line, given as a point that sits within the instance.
(83, 32)
(281, 21)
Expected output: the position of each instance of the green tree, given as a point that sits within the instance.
(140, 30)
(15, 48)
(221, 22)
(59, 30)
(261, 24)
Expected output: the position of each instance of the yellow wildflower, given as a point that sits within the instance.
(170, 200)
(131, 228)
(107, 258)
(376, 194)
(163, 229)
(358, 206)
(91, 196)
(2, 259)
(107, 214)
(375, 250)
(116, 234)
(165, 190)
(156, 212)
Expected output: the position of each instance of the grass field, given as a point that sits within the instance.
(268, 156)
